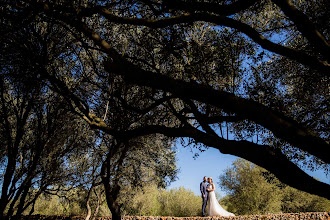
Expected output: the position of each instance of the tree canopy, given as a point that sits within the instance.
(186, 69)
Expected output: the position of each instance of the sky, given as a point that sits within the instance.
(210, 163)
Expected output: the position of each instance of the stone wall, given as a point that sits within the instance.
(284, 216)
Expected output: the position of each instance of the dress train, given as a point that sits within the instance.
(215, 208)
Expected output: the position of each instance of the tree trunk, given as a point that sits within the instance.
(113, 206)
(6, 182)
(99, 201)
(111, 197)
(111, 192)
(89, 210)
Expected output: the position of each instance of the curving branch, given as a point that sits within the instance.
(199, 117)
(305, 26)
(291, 53)
(265, 156)
(147, 109)
(282, 126)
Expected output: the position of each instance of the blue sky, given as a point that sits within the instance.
(210, 163)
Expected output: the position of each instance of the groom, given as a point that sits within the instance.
(204, 192)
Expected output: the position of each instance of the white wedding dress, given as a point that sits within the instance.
(215, 208)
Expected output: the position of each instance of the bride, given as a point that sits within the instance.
(214, 207)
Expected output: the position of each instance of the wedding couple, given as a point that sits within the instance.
(208, 196)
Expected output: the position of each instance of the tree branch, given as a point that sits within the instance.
(306, 27)
(206, 127)
(147, 109)
(291, 53)
(282, 126)
(265, 156)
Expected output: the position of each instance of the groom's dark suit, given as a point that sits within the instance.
(204, 192)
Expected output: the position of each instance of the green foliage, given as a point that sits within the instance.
(180, 202)
(70, 205)
(145, 202)
(253, 190)
(157, 202)
(150, 201)
(149, 159)
(53, 205)
(250, 192)
(297, 201)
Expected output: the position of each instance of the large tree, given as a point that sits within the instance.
(196, 67)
